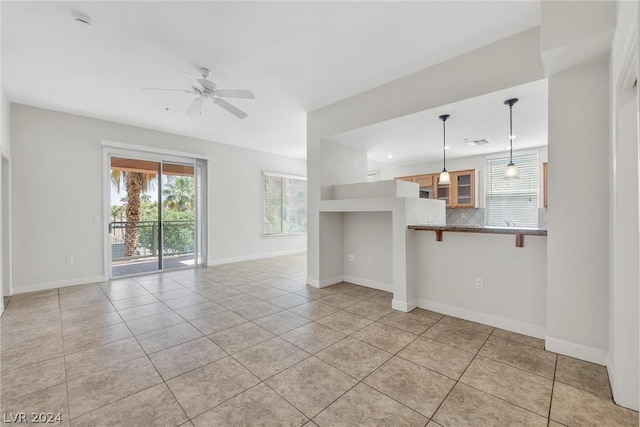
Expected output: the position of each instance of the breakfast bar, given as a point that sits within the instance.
(518, 232)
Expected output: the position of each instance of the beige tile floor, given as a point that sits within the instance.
(251, 344)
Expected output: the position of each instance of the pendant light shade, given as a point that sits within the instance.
(445, 179)
(511, 171)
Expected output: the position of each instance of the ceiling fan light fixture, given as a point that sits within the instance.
(206, 89)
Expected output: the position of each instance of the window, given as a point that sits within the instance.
(285, 204)
(511, 202)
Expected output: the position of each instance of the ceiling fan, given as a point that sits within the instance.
(206, 89)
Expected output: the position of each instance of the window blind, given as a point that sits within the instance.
(512, 202)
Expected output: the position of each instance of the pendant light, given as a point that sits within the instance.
(444, 175)
(511, 171)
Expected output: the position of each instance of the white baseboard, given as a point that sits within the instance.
(220, 261)
(382, 286)
(579, 351)
(484, 318)
(403, 306)
(57, 284)
(612, 377)
(324, 282)
(351, 279)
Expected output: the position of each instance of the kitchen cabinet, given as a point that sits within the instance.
(544, 183)
(425, 181)
(462, 192)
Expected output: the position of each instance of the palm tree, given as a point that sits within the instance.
(134, 183)
(179, 194)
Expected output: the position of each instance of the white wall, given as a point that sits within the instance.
(624, 198)
(57, 190)
(578, 268)
(460, 163)
(340, 165)
(5, 217)
(514, 296)
(368, 234)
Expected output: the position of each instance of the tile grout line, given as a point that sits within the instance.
(490, 394)
(553, 384)
(463, 372)
(64, 361)
(147, 388)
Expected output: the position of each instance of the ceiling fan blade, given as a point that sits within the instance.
(207, 84)
(235, 93)
(188, 78)
(170, 90)
(230, 108)
(195, 107)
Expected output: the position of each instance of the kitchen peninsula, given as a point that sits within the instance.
(475, 273)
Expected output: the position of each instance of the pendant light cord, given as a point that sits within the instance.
(511, 134)
(444, 118)
(444, 144)
(510, 103)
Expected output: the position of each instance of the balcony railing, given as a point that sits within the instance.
(132, 240)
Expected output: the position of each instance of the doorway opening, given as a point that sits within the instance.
(153, 223)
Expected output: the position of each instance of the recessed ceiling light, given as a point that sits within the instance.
(446, 147)
(513, 136)
(82, 18)
(389, 156)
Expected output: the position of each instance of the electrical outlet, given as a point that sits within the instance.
(352, 258)
(370, 260)
(479, 283)
(69, 259)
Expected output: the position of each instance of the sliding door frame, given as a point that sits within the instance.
(116, 149)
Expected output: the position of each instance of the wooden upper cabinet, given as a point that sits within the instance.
(443, 192)
(544, 183)
(424, 180)
(464, 182)
(405, 178)
(461, 193)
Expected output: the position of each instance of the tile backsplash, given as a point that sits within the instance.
(469, 216)
(542, 218)
(474, 217)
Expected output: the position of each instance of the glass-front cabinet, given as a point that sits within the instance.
(462, 192)
(443, 192)
(465, 188)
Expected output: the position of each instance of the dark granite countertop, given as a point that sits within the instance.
(472, 229)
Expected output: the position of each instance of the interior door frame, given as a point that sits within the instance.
(115, 149)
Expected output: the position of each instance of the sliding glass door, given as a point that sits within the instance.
(153, 225)
(177, 216)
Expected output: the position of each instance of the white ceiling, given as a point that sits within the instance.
(418, 137)
(295, 57)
